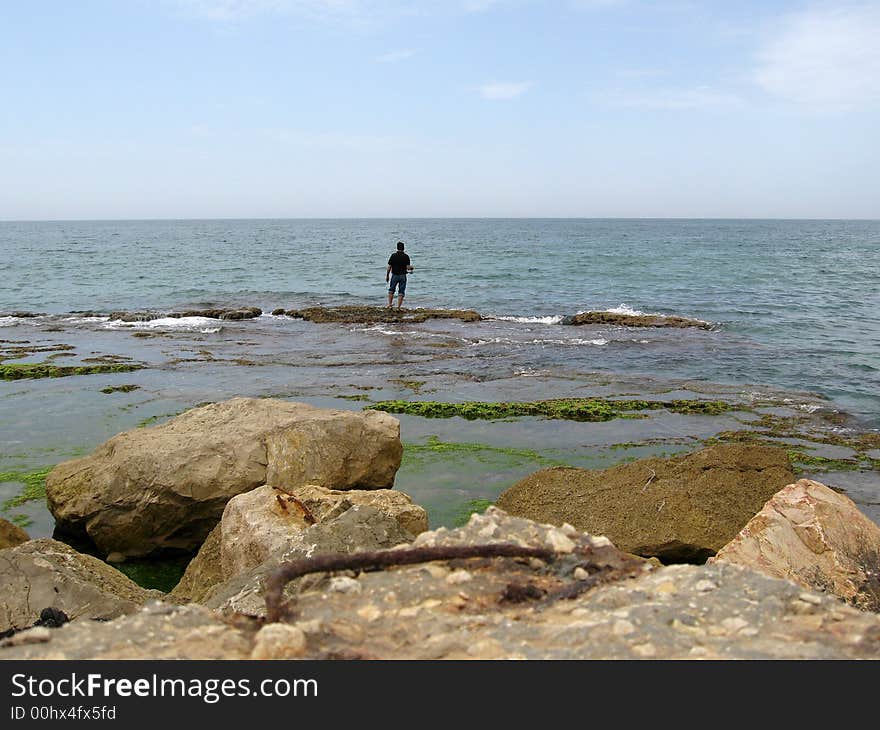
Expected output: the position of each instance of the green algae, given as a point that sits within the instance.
(434, 446)
(47, 370)
(23, 521)
(359, 396)
(472, 506)
(120, 388)
(771, 430)
(414, 385)
(571, 409)
(34, 486)
(162, 575)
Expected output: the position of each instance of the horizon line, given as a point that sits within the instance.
(428, 218)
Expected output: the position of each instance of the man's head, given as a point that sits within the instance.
(400, 245)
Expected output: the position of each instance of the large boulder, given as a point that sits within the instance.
(590, 602)
(682, 509)
(164, 488)
(11, 534)
(45, 573)
(814, 536)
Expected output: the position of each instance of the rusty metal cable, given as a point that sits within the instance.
(277, 580)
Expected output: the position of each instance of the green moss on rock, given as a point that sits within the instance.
(570, 409)
(120, 388)
(162, 575)
(47, 370)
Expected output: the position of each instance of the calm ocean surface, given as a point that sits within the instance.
(797, 303)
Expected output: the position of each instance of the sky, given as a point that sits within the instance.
(121, 109)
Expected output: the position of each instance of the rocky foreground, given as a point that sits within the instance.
(313, 555)
(589, 602)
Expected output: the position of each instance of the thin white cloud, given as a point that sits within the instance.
(229, 10)
(825, 57)
(597, 4)
(479, 6)
(395, 56)
(699, 97)
(504, 91)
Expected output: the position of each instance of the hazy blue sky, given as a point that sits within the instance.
(374, 108)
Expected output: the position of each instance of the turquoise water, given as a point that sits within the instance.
(796, 303)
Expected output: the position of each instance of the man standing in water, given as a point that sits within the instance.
(398, 266)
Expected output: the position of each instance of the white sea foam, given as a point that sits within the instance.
(377, 328)
(204, 325)
(85, 320)
(625, 309)
(551, 319)
(529, 373)
(598, 342)
(9, 321)
(809, 407)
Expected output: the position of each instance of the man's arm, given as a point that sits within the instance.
(409, 267)
(387, 272)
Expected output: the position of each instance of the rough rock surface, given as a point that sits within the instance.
(157, 631)
(11, 534)
(324, 503)
(45, 573)
(682, 509)
(267, 522)
(359, 528)
(164, 487)
(363, 315)
(501, 608)
(635, 320)
(816, 537)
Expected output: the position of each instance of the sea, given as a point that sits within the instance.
(794, 307)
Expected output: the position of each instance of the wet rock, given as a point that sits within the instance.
(365, 315)
(21, 314)
(682, 509)
(413, 612)
(46, 573)
(211, 313)
(816, 537)
(164, 488)
(635, 320)
(11, 534)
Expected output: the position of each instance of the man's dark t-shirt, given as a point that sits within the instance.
(398, 262)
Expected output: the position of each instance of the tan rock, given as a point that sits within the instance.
(817, 538)
(45, 573)
(322, 501)
(279, 641)
(11, 534)
(165, 487)
(681, 509)
(264, 523)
